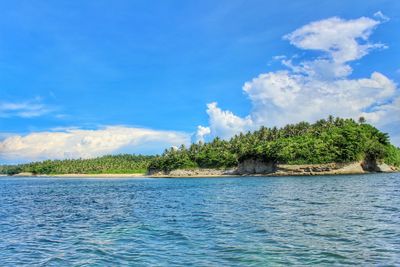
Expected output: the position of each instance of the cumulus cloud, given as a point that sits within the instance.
(314, 88)
(80, 143)
(281, 97)
(341, 40)
(201, 133)
(225, 123)
(27, 109)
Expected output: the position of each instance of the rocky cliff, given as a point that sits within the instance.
(259, 167)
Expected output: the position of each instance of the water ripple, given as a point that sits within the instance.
(329, 220)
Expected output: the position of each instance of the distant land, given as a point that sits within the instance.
(328, 146)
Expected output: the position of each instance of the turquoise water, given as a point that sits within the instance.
(327, 220)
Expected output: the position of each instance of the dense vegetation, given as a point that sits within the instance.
(331, 140)
(102, 165)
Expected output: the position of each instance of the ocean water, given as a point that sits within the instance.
(317, 220)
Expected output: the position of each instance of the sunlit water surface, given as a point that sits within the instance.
(321, 220)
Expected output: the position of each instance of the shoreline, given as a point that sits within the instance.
(254, 168)
(247, 169)
(133, 176)
(111, 175)
(270, 175)
(201, 175)
(83, 175)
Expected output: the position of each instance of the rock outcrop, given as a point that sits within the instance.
(255, 166)
(375, 166)
(260, 167)
(316, 169)
(383, 167)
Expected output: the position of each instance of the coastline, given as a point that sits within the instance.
(111, 175)
(134, 176)
(258, 168)
(83, 175)
(252, 169)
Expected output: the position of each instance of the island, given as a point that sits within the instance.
(328, 146)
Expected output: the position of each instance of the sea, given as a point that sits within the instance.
(248, 221)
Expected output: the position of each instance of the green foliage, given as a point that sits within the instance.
(216, 154)
(392, 156)
(10, 169)
(103, 165)
(331, 140)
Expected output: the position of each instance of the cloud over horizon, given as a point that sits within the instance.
(79, 143)
(307, 90)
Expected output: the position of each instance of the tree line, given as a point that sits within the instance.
(110, 164)
(325, 141)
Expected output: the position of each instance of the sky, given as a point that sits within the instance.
(80, 79)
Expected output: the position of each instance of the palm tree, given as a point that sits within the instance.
(361, 120)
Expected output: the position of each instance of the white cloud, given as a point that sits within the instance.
(282, 97)
(224, 123)
(379, 15)
(79, 143)
(279, 57)
(342, 40)
(27, 109)
(4, 135)
(201, 133)
(315, 88)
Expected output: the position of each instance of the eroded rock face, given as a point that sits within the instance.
(316, 169)
(369, 165)
(374, 166)
(255, 166)
(383, 167)
(351, 168)
(260, 167)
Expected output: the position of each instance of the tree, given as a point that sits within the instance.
(331, 140)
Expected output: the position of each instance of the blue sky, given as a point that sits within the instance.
(75, 66)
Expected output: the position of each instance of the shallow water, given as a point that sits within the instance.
(320, 220)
